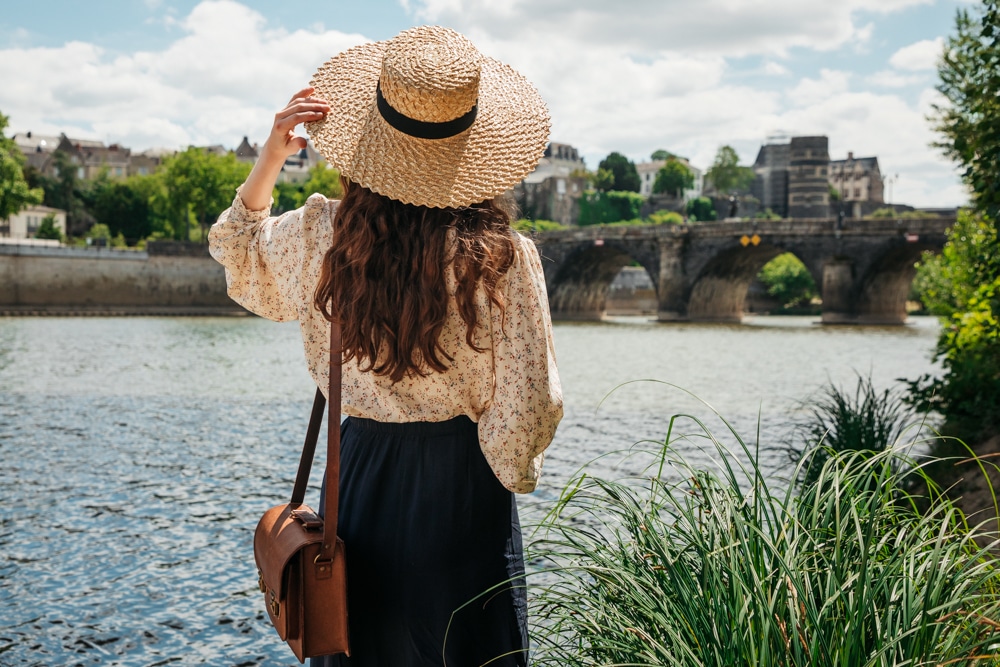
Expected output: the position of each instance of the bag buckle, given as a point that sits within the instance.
(309, 519)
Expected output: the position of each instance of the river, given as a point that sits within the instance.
(138, 454)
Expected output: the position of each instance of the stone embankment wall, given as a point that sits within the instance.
(166, 279)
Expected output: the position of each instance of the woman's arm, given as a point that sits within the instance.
(264, 256)
(280, 144)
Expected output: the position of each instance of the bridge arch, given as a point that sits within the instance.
(876, 293)
(579, 289)
(719, 291)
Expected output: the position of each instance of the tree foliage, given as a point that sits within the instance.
(701, 209)
(970, 258)
(964, 283)
(673, 178)
(626, 178)
(788, 280)
(15, 193)
(202, 185)
(726, 174)
(969, 124)
(322, 179)
(123, 209)
(661, 154)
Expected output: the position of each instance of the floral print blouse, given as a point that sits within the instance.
(511, 389)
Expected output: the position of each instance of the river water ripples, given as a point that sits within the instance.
(138, 454)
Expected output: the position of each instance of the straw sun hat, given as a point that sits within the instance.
(425, 119)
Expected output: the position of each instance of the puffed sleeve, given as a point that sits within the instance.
(527, 404)
(263, 256)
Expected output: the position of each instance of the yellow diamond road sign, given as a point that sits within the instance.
(755, 239)
(744, 240)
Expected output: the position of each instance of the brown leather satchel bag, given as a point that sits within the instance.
(300, 559)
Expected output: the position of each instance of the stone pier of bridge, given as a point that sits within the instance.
(702, 272)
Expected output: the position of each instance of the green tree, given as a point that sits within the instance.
(322, 179)
(201, 185)
(726, 174)
(15, 193)
(661, 154)
(626, 177)
(48, 229)
(947, 282)
(965, 281)
(969, 123)
(604, 180)
(788, 280)
(123, 209)
(701, 209)
(673, 178)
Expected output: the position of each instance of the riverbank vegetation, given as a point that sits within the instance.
(864, 563)
(963, 284)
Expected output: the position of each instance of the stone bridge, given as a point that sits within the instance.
(702, 271)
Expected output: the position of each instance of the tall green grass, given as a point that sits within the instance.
(867, 421)
(719, 568)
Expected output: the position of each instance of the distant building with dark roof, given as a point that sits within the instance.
(794, 177)
(858, 179)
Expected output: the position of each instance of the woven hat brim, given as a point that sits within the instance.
(503, 145)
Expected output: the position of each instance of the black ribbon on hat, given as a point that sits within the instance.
(423, 129)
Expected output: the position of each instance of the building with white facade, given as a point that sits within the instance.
(24, 225)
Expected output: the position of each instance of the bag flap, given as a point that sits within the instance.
(277, 538)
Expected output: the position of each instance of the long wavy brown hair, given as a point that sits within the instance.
(383, 278)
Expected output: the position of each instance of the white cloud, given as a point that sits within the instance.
(893, 79)
(829, 84)
(224, 77)
(728, 27)
(921, 56)
(228, 71)
(772, 68)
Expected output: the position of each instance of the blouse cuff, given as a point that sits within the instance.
(241, 212)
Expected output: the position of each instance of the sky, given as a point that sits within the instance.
(631, 76)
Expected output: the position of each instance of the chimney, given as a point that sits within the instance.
(29, 134)
(850, 155)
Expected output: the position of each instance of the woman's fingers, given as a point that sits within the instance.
(305, 92)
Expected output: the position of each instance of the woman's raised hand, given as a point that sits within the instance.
(280, 144)
(301, 108)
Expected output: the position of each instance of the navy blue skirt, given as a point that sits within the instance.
(434, 557)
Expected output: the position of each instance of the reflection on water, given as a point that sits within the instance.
(139, 453)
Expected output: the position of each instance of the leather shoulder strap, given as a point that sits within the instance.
(332, 498)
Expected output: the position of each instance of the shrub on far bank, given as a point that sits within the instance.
(598, 208)
(887, 212)
(529, 226)
(48, 229)
(665, 218)
(701, 210)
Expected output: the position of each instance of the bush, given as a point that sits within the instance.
(48, 229)
(701, 209)
(529, 226)
(970, 258)
(887, 212)
(685, 567)
(597, 208)
(968, 395)
(767, 214)
(665, 218)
